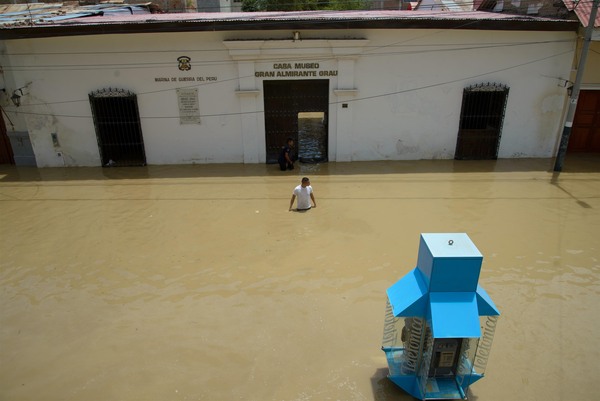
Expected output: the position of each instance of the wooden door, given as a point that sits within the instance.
(284, 101)
(585, 133)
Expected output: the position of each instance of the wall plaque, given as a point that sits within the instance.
(189, 111)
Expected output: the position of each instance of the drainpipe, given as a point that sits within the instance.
(564, 140)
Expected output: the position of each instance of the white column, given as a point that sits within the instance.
(248, 107)
(245, 53)
(346, 52)
(345, 116)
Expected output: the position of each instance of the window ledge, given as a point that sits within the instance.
(253, 92)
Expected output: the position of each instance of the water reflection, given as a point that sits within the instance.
(312, 137)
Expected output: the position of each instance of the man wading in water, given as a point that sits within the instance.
(304, 193)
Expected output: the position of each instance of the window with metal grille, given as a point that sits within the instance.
(481, 120)
(118, 130)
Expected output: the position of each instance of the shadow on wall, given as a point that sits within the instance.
(573, 163)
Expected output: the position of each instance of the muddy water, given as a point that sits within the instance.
(196, 283)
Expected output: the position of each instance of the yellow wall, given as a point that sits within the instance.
(591, 75)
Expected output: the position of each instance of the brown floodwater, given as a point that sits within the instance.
(196, 283)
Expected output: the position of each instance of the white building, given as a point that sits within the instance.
(230, 88)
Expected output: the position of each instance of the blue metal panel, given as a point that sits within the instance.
(454, 315)
(470, 379)
(449, 262)
(455, 274)
(425, 260)
(408, 384)
(485, 304)
(408, 296)
(443, 389)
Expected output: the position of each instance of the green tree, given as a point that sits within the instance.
(302, 5)
(349, 5)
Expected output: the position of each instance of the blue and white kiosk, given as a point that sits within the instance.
(439, 322)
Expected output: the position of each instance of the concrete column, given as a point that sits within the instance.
(245, 53)
(346, 91)
(248, 107)
(345, 116)
(344, 127)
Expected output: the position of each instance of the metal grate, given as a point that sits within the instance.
(481, 120)
(118, 129)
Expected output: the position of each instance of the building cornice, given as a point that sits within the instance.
(277, 21)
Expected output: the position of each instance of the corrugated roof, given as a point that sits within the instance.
(48, 13)
(445, 5)
(381, 19)
(397, 15)
(583, 10)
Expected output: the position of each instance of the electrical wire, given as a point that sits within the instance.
(367, 52)
(331, 103)
(422, 7)
(273, 60)
(203, 51)
(401, 42)
(241, 23)
(315, 21)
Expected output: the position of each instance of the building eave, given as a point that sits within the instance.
(319, 20)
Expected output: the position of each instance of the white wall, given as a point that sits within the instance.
(403, 89)
(427, 71)
(63, 71)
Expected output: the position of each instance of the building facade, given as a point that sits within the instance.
(361, 86)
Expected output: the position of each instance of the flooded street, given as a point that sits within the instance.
(196, 283)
